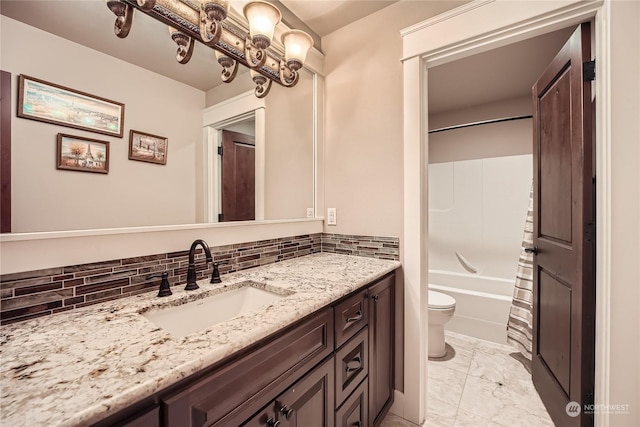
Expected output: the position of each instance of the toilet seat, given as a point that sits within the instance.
(440, 301)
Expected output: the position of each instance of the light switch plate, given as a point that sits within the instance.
(310, 213)
(331, 216)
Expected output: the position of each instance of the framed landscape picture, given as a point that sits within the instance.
(82, 154)
(147, 148)
(52, 103)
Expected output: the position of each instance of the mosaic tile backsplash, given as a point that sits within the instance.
(38, 293)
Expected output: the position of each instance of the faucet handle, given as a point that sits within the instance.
(215, 274)
(165, 288)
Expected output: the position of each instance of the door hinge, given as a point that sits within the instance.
(590, 232)
(589, 71)
(220, 151)
(220, 218)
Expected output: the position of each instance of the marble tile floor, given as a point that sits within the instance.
(479, 384)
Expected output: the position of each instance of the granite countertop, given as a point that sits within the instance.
(78, 367)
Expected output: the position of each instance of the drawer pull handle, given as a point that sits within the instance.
(354, 365)
(272, 423)
(355, 318)
(287, 412)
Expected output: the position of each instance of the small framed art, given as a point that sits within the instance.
(146, 147)
(82, 154)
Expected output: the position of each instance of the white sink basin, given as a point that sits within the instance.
(194, 316)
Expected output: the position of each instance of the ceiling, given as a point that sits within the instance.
(326, 16)
(497, 74)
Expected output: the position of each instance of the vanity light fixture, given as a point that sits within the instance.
(208, 22)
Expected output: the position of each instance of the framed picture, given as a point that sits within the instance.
(82, 154)
(147, 148)
(51, 103)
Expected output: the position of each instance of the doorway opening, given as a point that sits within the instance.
(470, 29)
(480, 172)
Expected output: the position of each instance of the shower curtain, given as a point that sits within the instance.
(520, 325)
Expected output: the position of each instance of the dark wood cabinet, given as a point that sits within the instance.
(335, 367)
(351, 315)
(354, 412)
(151, 418)
(309, 402)
(352, 365)
(265, 418)
(222, 396)
(381, 346)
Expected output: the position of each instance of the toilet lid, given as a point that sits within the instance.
(438, 300)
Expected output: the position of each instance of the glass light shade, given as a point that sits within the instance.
(296, 46)
(263, 18)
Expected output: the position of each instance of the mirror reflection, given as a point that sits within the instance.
(134, 72)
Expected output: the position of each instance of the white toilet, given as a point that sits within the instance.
(441, 308)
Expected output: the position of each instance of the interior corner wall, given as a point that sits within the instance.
(133, 193)
(363, 122)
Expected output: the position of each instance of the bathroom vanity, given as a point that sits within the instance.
(322, 355)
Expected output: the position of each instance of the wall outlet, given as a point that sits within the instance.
(331, 216)
(310, 213)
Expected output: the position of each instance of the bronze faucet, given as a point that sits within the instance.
(191, 271)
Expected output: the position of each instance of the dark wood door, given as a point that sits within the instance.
(238, 177)
(310, 401)
(564, 291)
(381, 340)
(5, 152)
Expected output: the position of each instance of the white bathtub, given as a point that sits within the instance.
(482, 303)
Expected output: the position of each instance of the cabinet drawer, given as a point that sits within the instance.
(350, 316)
(352, 365)
(354, 412)
(250, 378)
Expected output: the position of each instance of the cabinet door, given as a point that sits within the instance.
(381, 341)
(309, 402)
(354, 412)
(265, 418)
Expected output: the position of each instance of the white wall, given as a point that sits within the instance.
(624, 331)
(478, 209)
(289, 149)
(133, 193)
(363, 154)
(490, 140)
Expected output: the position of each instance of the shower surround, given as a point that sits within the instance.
(477, 209)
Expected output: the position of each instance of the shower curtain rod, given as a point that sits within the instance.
(483, 122)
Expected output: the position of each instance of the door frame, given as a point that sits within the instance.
(215, 118)
(473, 28)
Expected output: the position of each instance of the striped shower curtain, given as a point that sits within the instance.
(520, 325)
